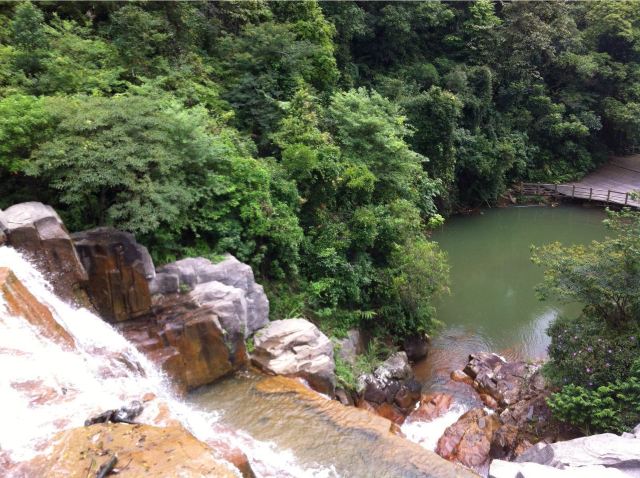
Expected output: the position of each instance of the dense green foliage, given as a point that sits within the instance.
(317, 141)
(614, 407)
(594, 357)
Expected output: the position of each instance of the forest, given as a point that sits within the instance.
(320, 142)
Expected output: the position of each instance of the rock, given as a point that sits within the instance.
(507, 469)
(364, 405)
(506, 382)
(505, 442)
(636, 431)
(37, 231)
(605, 449)
(489, 401)
(351, 346)
(124, 414)
(395, 367)
(344, 397)
(390, 412)
(404, 399)
(461, 377)
(416, 347)
(295, 347)
(141, 450)
(468, 441)
(188, 273)
(20, 303)
(186, 338)
(119, 272)
(393, 456)
(431, 406)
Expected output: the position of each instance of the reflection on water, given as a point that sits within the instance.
(493, 306)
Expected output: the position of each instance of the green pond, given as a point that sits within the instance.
(493, 305)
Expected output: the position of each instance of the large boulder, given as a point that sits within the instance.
(468, 441)
(186, 274)
(119, 272)
(141, 450)
(508, 469)
(386, 380)
(606, 449)
(297, 348)
(194, 337)
(506, 382)
(37, 231)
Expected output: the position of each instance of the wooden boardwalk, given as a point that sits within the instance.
(612, 183)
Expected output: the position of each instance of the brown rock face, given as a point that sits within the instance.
(38, 231)
(461, 377)
(21, 303)
(142, 450)
(119, 270)
(468, 441)
(188, 342)
(431, 406)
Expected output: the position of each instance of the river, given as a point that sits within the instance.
(492, 306)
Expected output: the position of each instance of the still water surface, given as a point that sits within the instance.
(493, 305)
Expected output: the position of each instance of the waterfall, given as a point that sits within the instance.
(427, 433)
(45, 388)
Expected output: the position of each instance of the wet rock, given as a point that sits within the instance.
(416, 347)
(383, 384)
(188, 273)
(461, 377)
(119, 272)
(142, 450)
(234, 455)
(399, 456)
(37, 231)
(297, 348)
(124, 414)
(606, 449)
(20, 303)
(404, 398)
(431, 406)
(468, 441)
(636, 431)
(390, 412)
(351, 346)
(506, 469)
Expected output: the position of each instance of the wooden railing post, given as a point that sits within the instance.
(608, 194)
(573, 192)
(590, 193)
(626, 199)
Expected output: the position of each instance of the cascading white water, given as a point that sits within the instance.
(45, 388)
(427, 434)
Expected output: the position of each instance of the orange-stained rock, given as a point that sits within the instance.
(399, 454)
(187, 341)
(22, 304)
(142, 450)
(468, 441)
(431, 406)
(489, 401)
(460, 376)
(390, 412)
(119, 270)
(37, 231)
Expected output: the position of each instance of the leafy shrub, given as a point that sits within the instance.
(614, 407)
(586, 352)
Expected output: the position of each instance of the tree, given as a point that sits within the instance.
(27, 30)
(605, 276)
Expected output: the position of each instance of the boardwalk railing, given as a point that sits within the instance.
(579, 192)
